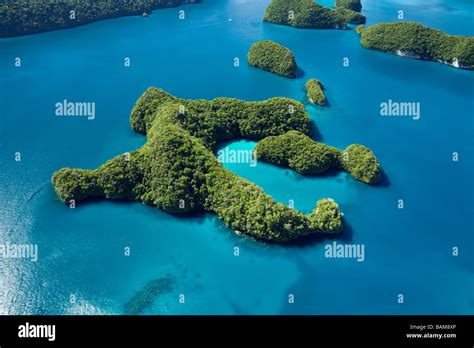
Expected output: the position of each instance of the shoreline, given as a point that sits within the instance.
(6, 32)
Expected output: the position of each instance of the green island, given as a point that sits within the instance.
(24, 17)
(410, 39)
(299, 152)
(177, 171)
(271, 56)
(350, 16)
(314, 92)
(353, 5)
(303, 14)
(145, 297)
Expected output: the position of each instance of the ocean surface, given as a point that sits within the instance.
(82, 267)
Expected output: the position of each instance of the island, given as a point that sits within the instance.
(350, 16)
(353, 5)
(314, 92)
(24, 17)
(177, 171)
(271, 56)
(299, 152)
(303, 14)
(361, 163)
(413, 40)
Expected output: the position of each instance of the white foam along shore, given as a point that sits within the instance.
(455, 63)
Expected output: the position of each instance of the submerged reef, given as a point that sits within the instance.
(145, 297)
(177, 171)
(271, 56)
(308, 157)
(413, 40)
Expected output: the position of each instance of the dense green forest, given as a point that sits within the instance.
(353, 5)
(314, 92)
(271, 56)
(23, 17)
(350, 16)
(361, 163)
(308, 157)
(177, 171)
(303, 14)
(417, 41)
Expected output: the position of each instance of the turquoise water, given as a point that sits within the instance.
(82, 267)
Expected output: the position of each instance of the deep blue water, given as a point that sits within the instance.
(81, 251)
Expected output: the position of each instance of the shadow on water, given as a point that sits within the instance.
(300, 73)
(307, 241)
(314, 133)
(330, 173)
(384, 180)
(197, 214)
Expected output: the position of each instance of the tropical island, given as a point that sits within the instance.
(314, 92)
(303, 14)
(273, 57)
(350, 16)
(353, 5)
(299, 152)
(310, 15)
(413, 40)
(177, 171)
(24, 17)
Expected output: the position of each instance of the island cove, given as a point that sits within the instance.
(177, 171)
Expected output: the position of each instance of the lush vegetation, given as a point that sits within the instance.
(353, 5)
(221, 119)
(350, 16)
(327, 216)
(22, 17)
(273, 57)
(177, 171)
(417, 41)
(302, 14)
(361, 163)
(306, 156)
(299, 152)
(314, 91)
